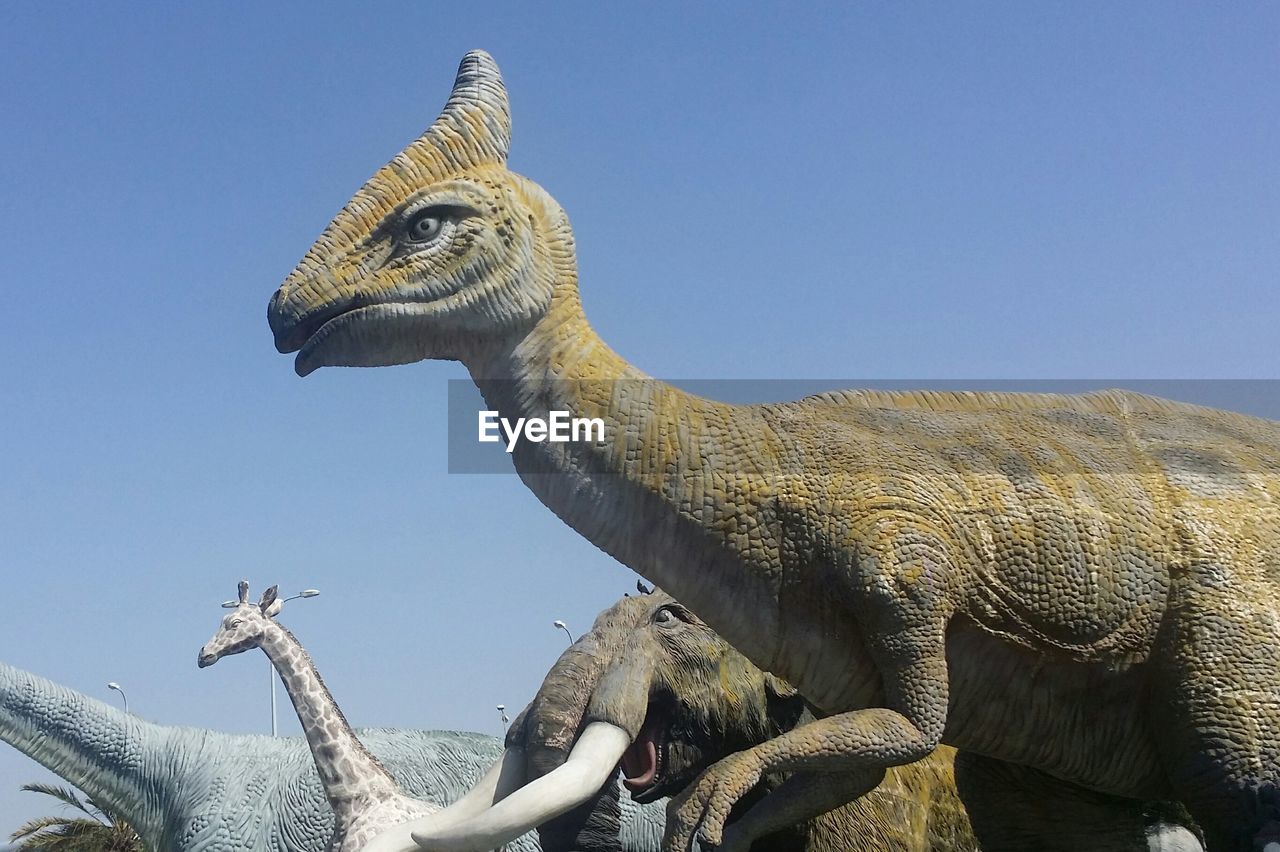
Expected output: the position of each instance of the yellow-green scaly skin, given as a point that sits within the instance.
(1086, 586)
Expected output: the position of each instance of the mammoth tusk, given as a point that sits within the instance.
(584, 772)
(594, 757)
(502, 778)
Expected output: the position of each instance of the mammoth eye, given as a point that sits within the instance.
(664, 616)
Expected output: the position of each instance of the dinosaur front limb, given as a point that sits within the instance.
(796, 800)
(904, 625)
(848, 752)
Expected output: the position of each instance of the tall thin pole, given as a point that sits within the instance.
(271, 673)
(271, 668)
(118, 688)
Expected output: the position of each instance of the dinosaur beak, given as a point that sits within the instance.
(321, 310)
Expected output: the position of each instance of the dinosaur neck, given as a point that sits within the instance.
(117, 759)
(658, 493)
(348, 772)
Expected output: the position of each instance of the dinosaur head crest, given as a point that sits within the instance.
(439, 254)
(474, 129)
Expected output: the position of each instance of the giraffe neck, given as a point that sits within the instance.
(348, 772)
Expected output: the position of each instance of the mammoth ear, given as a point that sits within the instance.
(779, 688)
(243, 588)
(268, 598)
(475, 126)
(516, 737)
(785, 706)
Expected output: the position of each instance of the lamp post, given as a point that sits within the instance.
(118, 688)
(561, 625)
(271, 669)
(502, 714)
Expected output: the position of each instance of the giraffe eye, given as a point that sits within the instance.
(236, 622)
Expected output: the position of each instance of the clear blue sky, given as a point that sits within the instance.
(976, 191)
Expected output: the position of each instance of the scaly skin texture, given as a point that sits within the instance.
(1083, 585)
(676, 685)
(199, 790)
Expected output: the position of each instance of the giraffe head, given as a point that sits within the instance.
(443, 253)
(243, 628)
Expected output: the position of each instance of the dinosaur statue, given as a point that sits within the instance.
(1083, 586)
(364, 797)
(200, 790)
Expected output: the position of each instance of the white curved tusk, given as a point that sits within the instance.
(502, 778)
(590, 764)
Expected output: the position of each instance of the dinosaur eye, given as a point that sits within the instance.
(425, 226)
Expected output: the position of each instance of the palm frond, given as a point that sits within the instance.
(99, 831)
(35, 825)
(63, 794)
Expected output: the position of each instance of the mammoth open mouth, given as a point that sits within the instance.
(642, 762)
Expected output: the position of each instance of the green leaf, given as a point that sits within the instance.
(99, 831)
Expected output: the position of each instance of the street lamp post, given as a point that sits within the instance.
(115, 686)
(562, 626)
(271, 676)
(271, 669)
(502, 714)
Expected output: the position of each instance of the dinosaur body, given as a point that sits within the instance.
(199, 790)
(1086, 586)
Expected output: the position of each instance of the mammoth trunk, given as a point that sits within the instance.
(547, 729)
(550, 724)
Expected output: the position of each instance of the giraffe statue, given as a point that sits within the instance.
(364, 797)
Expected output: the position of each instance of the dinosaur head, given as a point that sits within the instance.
(243, 628)
(441, 254)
